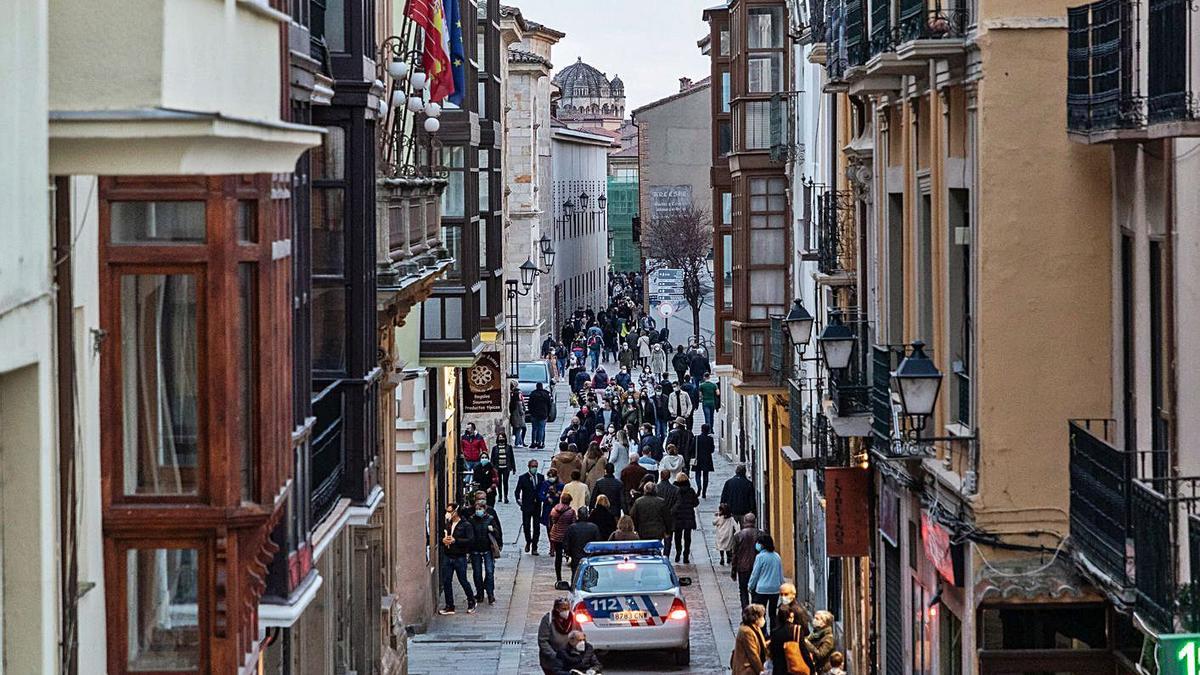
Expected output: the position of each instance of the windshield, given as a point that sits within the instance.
(532, 372)
(635, 578)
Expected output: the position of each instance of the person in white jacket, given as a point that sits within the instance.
(643, 345)
(672, 460)
(680, 404)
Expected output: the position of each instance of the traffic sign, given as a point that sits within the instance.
(666, 309)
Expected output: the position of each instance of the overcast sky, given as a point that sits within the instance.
(649, 43)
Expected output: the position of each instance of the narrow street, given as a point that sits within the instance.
(503, 638)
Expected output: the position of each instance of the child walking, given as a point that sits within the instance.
(726, 529)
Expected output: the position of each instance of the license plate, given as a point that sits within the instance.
(630, 615)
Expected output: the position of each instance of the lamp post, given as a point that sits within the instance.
(519, 288)
(837, 343)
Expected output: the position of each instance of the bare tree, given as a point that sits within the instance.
(682, 240)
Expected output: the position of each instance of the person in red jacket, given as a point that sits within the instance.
(472, 446)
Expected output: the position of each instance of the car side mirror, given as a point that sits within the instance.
(685, 581)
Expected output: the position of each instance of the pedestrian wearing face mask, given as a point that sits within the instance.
(484, 546)
(529, 486)
(485, 478)
(549, 494)
(506, 464)
(577, 656)
(750, 647)
(457, 536)
(553, 634)
(767, 575)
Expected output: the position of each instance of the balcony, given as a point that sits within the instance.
(836, 235)
(1129, 78)
(872, 46)
(1128, 531)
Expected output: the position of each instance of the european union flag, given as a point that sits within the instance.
(458, 56)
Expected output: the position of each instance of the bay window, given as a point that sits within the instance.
(191, 271)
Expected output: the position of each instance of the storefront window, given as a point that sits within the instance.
(160, 383)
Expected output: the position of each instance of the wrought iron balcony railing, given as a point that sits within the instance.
(836, 244)
(851, 394)
(1102, 87)
(917, 21)
(1170, 96)
(1129, 526)
(1106, 59)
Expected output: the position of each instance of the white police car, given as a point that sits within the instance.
(626, 596)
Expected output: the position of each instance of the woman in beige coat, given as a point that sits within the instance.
(593, 465)
(750, 647)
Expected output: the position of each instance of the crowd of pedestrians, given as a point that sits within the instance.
(632, 463)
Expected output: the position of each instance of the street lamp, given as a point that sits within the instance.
(918, 382)
(569, 208)
(602, 202)
(528, 272)
(837, 343)
(546, 248)
(799, 323)
(583, 201)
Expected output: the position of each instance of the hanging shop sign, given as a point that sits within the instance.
(889, 512)
(847, 512)
(940, 551)
(482, 385)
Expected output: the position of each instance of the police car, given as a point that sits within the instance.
(626, 596)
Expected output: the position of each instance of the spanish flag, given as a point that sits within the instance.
(430, 15)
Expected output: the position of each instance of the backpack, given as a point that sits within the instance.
(594, 342)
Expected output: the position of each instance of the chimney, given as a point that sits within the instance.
(685, 83)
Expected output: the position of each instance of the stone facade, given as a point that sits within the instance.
(528, 175)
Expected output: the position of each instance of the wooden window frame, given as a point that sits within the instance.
(116, 573)
(214, 264)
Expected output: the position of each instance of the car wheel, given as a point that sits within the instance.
(683, 656)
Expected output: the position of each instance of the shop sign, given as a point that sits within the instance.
(482, 385)
(1178, 654)
(847, 512)
(937, 546)
(889, 513)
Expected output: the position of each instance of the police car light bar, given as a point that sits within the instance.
(639, 547)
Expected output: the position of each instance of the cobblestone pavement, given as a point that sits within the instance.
(503, 638)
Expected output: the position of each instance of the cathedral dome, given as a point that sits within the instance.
(579, 80)
(617, 86)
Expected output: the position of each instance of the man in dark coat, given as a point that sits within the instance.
(704, 459)
(699, 367)
(650, 516)
(610, 486)
(669, 494)
(581, 533)
(539, 407)
(680, 362)
(652, 443)
(684, 441)
(662, 410)
(531, 509)
(738, 493)
(742, 556)
(631, 481)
